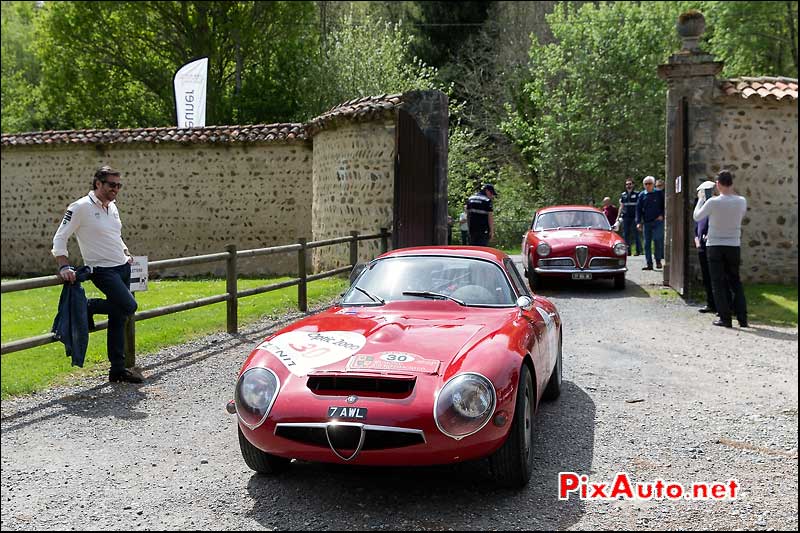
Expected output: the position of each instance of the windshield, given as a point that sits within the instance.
(471, 282)
(571, 219)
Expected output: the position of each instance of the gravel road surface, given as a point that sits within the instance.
(651, 388)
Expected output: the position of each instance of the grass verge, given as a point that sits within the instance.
(30, 313)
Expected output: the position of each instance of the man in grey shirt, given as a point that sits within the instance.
(723, 245)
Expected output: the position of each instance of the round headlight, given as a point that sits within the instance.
(620, 248)
(256, 391)
(464, 405)
(543, 249)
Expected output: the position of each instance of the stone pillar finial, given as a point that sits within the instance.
(691, 26)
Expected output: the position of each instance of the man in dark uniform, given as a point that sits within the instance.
(627, 211)
(480, 217)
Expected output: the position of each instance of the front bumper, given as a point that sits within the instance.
(593, 271)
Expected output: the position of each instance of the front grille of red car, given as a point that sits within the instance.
(347, 437)
(557, 262)
(389, 387)
(606, 262)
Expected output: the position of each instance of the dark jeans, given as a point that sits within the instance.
(464, 237)
(723, 264)
(119, 304)
(479, 239)
(701, 254)
(629, 232)
(654, 234)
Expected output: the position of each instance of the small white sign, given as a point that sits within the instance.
(139, 273)
(678, 185)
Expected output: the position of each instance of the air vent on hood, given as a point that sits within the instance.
(382, 386)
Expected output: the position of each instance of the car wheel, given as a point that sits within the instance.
(512, 464)
(261, 462)
(533, 278)
(619, 282)
(553, 389)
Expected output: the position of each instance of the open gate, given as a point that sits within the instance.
(414, 186)
(677, 202)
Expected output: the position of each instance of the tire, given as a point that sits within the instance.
(619, 282)
(534, 280)
(261, 462)
(553, 389)
(512, 464)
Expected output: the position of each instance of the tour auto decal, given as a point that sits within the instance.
(393, 361)
(302, 351)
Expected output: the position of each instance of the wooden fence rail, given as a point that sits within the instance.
(231, 296)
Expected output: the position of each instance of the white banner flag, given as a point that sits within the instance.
(190, 94)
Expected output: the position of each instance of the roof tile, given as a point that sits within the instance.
(765, 87)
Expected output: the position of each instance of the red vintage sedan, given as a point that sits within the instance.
(435, 355)
(573, 241)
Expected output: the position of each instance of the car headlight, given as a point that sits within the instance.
(464, 405)
(543, 249)
(256, 391)
(620, 248)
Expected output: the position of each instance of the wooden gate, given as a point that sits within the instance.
(414, 186)
(677, 203)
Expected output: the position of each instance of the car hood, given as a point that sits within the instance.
(429, 334)
(571, 237)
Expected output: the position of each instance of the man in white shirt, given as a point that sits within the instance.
(95, 221)
(723, 247)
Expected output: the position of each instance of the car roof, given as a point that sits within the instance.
(554, 208)
(473, 252)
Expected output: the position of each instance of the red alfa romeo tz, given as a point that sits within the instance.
(573, 241)
(435, 355)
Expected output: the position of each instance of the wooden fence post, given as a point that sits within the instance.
(353, 248)
(302, 290)
(233, 300)
(130, 339)
(384, 240)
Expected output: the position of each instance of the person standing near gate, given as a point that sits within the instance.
(650, 217)
(700, 238)
(463, 227)
(480, 217)
(96, 223)
(725, 213)
(627, 212)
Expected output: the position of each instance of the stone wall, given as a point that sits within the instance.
(756, 139)
(177, 200)
(353, 187)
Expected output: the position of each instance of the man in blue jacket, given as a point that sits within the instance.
(650, 217)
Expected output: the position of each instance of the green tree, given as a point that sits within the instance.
(364, 57)
(593, 110)
(123, 55)
(20, 69)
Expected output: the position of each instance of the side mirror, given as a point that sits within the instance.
(525, 303)
(357, 269)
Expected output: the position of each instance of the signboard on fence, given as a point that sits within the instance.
(139, 273)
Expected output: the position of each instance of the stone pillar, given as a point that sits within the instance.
(430, 110)
(690, 76)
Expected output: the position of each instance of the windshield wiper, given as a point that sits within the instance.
(429, 294)
(370, 296)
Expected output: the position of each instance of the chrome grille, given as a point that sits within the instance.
(557, 262)
(606, 262)
(347, 436)
(582, 255)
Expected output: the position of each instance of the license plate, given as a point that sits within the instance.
(582, 275)
(353, 413)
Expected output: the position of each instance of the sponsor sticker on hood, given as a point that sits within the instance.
(406, 362)
(303, 351)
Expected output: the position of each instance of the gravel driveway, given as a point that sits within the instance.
(651, 388)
